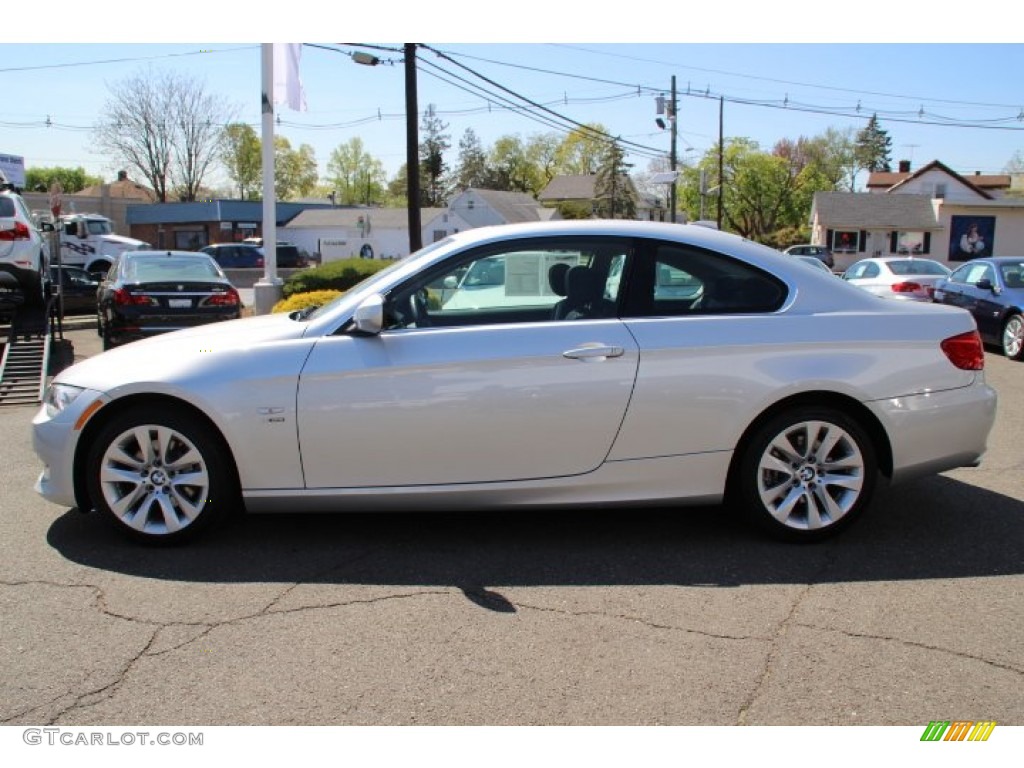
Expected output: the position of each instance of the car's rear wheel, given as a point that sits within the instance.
(807, 473)
(161, 474)
(1013, 337)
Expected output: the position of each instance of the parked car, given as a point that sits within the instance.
(898, 277)
(77, 288)
(24, 251)
(152, 292)
(288, 255)
(776, 387)
(820, 252)
(993, 291)
(235, 255)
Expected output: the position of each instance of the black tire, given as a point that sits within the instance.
(161, 474)
(806, 474)
(1012, 338)
(107, 341)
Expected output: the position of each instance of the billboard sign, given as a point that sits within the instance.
(13, 168)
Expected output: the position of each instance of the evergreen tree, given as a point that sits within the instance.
(433, 145)
(613, 190)
(874, 147)
(472, 168)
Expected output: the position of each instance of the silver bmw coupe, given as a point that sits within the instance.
(552, 364)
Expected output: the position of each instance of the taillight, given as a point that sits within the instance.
(965, 351)
(907, 287)
(125, 299)
(227, 299)
(20, 232)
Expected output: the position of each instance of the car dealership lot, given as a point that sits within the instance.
(612, 617)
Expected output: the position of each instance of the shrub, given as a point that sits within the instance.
(334, 275)
(304, 300)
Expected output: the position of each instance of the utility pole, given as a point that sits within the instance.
(672, 157)
(412, 150)
(721, 158)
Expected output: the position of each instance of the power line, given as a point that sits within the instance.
(127, 60)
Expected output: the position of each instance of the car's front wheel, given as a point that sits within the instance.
(160, 474)
(1013, 337)
(807, 473)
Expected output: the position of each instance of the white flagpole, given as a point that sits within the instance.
(267, 291)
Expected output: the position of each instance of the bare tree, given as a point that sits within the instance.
(165, 126)
(199, 120)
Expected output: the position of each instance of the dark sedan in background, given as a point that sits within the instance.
(77, 287)
(151, 292)
(235, 255)
(993, 291)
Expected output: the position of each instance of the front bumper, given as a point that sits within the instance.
(55, 441)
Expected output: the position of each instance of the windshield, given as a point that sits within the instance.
(98, 227)
(918, 267)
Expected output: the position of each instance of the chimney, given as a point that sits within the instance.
(977, 173)
(122, 175)
(904, 166)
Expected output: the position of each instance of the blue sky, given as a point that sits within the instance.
(932, 98)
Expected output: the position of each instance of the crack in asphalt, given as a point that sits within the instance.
(915, 644)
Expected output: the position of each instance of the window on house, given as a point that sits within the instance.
(845, 241)
(913, 243)
(940, 191)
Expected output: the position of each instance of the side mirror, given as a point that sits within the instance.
(985, 284)
(368, 318)
(46, 226)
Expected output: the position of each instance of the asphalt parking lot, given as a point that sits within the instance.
(615, 617)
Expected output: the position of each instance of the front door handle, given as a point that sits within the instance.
(593, 352)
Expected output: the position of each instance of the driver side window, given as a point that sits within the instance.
(529, 281)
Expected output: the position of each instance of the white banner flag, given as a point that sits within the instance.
(287, 85)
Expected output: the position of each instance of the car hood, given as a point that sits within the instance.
(124, 243)
(174, 357)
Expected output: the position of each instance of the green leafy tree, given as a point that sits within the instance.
(614, 193)
(761, 192)
(874, 147)
(357, 176)
(582, 150)
(509, 168)
(71, 179)
(295, 173)
(242, 159)
(398, 189)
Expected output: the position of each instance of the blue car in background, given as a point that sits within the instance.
(993, 291)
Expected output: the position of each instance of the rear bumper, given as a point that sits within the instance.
(938, 431)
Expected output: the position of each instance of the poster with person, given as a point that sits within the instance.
(971, 237)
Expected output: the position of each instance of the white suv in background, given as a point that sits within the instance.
(24, 252)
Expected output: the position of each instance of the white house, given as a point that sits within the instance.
(933, 212)
(383, 233)
(375, 233)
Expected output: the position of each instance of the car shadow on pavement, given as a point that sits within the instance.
(933, 528)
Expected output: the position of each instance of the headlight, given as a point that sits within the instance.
(60, 396)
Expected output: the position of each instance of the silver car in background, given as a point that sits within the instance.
(666, 364)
